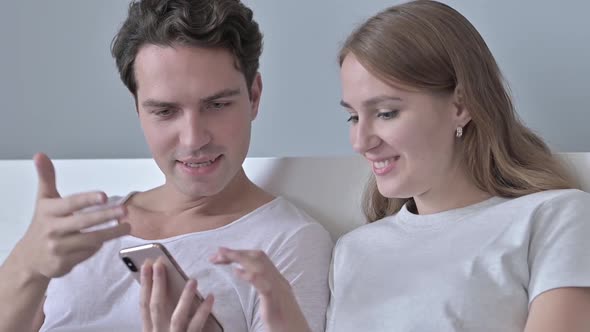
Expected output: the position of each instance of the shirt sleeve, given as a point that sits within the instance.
(559, 251)
(332, 303)
(304, 261)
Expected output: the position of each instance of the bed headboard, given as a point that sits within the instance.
(328, 188)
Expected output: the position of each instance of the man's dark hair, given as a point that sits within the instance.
(225, 24)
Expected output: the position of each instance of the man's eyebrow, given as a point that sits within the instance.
(159, 104)
(221, 94)
(164, 104)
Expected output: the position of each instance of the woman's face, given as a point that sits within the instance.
(408, 137)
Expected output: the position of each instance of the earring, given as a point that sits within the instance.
(459, 132)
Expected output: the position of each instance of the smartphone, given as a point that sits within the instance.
(134, 258)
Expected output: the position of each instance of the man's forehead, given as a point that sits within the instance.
(167, 72)
(184, 54)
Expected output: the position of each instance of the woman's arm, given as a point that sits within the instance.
(560, 309)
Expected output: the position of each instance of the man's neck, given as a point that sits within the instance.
(165, 212)
(239, 195)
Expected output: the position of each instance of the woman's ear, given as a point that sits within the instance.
(460, 110)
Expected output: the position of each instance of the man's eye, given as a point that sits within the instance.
(163, 113)
(218, 106)
(387, 115)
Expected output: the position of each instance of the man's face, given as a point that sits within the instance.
(196, 115)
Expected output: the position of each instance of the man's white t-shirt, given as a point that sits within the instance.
(471, 269)
(100, 294)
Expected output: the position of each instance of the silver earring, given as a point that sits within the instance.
(459, 132)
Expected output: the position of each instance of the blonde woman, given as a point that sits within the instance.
(473, 225)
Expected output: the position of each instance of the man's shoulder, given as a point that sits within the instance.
(282, 221)
(281, 213)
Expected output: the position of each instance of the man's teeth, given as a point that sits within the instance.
(198, 165)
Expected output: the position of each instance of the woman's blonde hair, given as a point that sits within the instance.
(430, 46)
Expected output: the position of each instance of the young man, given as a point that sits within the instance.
(192, 67)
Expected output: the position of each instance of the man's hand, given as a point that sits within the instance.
(54, 242)
(279, 308)
(158, 312)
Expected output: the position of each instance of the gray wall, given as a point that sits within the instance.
(60, 93)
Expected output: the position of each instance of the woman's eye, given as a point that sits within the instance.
(387, 115)
(353, 119)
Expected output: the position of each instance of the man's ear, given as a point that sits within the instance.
(461, 112)
(255, 93)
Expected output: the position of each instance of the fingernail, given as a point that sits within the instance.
(237, 266)
(120, 212)
(99, 198)
(157, 270)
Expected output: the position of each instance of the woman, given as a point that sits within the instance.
(473, 223)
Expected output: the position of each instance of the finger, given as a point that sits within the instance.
(101, 236)
(65, 246)
(145, 295)
(66, 206)
(250, 260)
(46, 175)
(158, 309)
(81, 221)
(92, 241)
(200, 318)
(255, 267)
(181, 315)
(260, 281)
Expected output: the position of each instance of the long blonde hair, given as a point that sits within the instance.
(430, 46)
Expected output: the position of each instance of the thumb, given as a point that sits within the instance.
(46, 174)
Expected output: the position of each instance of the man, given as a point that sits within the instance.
(192, 67)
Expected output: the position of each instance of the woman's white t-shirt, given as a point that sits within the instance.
(471, 269)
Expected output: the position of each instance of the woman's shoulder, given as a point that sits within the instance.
(558, 193)
(366, 233)
(559, 198)
(551, 208)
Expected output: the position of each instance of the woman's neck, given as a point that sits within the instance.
(452, 192)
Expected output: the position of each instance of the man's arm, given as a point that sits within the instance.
(22, 295)
(39, 318)
(52, 245)
(277, 307)
(304, 261)
(292, 284)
